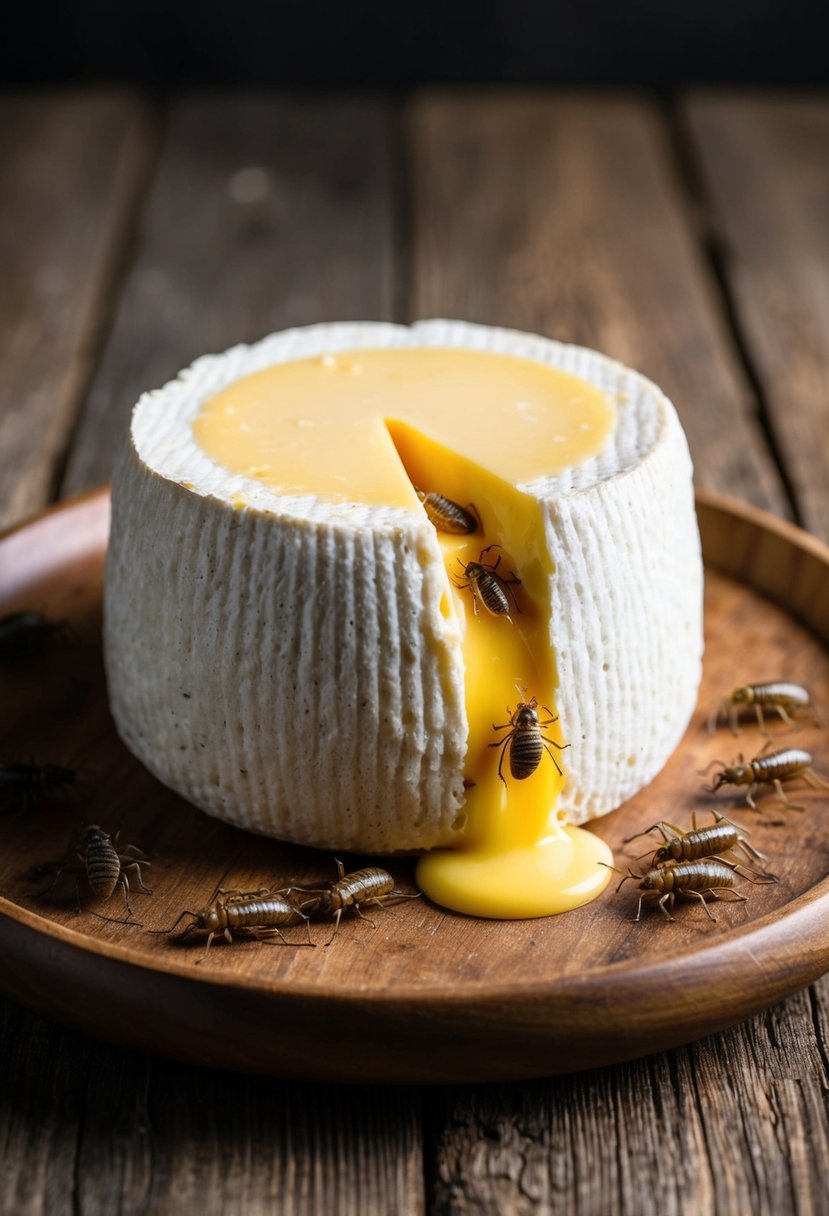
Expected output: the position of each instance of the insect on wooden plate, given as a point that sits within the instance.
(422, 995)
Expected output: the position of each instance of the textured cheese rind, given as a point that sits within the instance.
(291, 668)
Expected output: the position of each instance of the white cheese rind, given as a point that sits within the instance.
(288, 667)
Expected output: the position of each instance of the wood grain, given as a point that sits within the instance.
(744, 1122)
(766, 168)
(735, 1123)
(564, 216)
(265, 213)
(435, 996)
(95, 1129)
(71, 175)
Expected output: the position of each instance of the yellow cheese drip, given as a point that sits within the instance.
(518, 859)
(363, 426)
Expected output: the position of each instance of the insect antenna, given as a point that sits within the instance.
(625, 877)
(115, 920)
(219, 887)
(714, 717)
(703, 772)
(176, 922)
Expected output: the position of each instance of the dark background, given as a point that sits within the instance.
(368, 43)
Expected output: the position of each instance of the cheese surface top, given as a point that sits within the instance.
(322, 426)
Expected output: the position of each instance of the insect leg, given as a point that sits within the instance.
(124, 882)
(552, 754)
(781, 793)
(560, 746)
(699, 895)
(502, 744)
(749, 796)
(361, 915)
(748, 850)
(133, 867)
(207, 947)
(718, 893)
(667, 897)
(814, 779)
(761, 721)
(787, 718)
(133, 851)
(336, 926)
(761, 878)
(40, 894)
(270, 931)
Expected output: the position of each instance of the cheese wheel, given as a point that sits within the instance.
(288, 664)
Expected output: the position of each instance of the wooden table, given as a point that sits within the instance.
(690, 240)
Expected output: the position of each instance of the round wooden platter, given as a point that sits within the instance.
(425, 996)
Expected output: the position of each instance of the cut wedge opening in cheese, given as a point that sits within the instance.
(293, 647)
(517, 858)
(340, 427)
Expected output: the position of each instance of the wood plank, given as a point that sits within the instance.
(735, 1123)
(44, 1071)
(564, 215)
(765, 164)
(71, 172)
(265, 213)
(93, 1129)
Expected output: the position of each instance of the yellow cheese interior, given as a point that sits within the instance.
(368, 426)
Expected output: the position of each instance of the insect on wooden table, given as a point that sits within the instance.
(687, 880)
(773, 769)
(92, 855)
(370, 885)
(722, 836)
(784, 698)
(259, 914)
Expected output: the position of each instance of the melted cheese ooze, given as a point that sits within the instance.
(370, 425)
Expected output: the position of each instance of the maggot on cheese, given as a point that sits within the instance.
(293, 646)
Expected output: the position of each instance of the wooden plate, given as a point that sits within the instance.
(425, 996)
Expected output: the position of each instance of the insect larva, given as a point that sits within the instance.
(785, 699)
(690, 880)
(258, 914)
(355, 890)
(446, 515)
(722, 836)
(773, 769)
